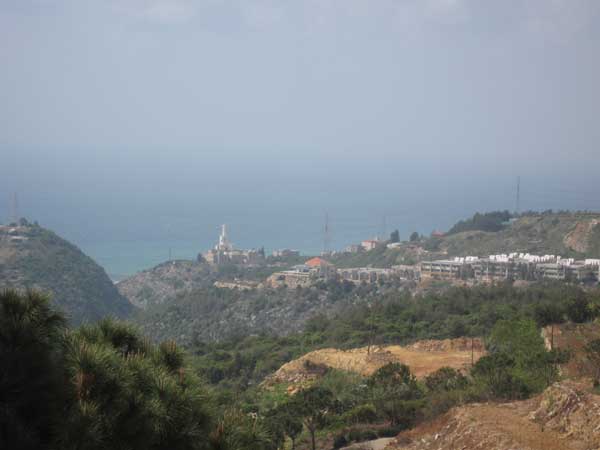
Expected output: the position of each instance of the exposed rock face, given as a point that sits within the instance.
(33, 257)
(164, 282)
(564, 417)
(580, 238)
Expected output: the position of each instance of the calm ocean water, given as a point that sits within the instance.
(305, 232)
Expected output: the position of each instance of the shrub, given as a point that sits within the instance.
(361, 414)
(446, 379)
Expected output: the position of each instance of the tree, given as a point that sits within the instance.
(314, 405)
(285, 420)
(414, 237)
(548, 314)
(241, 431)
(496, 372)
(518, 363)
(101, 386)
(128, 393)
(32, 388)
(395, 236)
(578, 310)
(592, 350)
(395, 393)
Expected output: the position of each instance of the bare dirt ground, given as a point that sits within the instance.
(579, 238)
(378, 444)
(565, 417)
(573, 337)
(423, 358)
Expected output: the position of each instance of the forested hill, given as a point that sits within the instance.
(570, 234)
(34, 257)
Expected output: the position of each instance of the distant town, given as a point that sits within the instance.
(463, 270)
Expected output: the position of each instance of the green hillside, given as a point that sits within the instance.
(33, 257)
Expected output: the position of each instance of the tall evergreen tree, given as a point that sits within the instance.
(32, 392)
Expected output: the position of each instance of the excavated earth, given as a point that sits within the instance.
(565, 417)
(423, 358)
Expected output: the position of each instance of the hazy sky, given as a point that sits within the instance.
(181, 104)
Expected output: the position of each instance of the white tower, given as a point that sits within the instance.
(224, 244)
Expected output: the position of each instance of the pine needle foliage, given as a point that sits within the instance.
(31, 361)
(131, 394)
(98, 387)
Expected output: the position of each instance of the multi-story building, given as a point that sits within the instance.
(457, 268)
(514, 266)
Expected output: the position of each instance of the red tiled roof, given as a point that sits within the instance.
(314, 262)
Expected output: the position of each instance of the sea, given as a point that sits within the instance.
(142, 216)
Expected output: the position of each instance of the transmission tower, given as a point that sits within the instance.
(518, 205)
(326, 235)
(14, 208)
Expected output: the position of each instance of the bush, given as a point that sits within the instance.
(389, 431)
(340, 441)
(446, 379)
(441, 402)
(358, 435)
(361, 414)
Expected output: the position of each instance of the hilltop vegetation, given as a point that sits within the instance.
(34, 257)
(492, 221)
